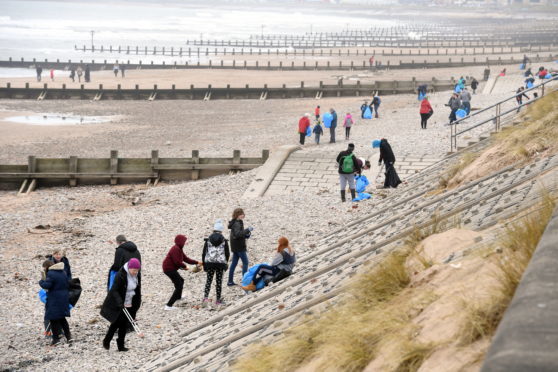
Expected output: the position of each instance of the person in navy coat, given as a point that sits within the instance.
(56, 282)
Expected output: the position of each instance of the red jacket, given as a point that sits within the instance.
(175, 259)
(317, 111)
(303, 124)
(425, 107)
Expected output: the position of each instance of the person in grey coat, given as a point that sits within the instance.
(454, 104)
(466, 100)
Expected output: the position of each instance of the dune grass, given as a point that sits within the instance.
(517, 244)
(413, 355)
(465, 159)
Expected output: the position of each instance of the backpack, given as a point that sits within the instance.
(347, 164)
(215, 254)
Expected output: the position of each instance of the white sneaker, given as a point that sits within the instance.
(168, 308)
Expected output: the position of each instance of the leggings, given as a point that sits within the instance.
(424, 119)
(347, 131)
(218, 282)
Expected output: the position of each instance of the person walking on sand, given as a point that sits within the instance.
(376, 102)
(115, 70)
(317, 112)
(73, 74)
(318, 131)
(238, 243)
(79, 72)
(215, 256)
(57, 308)
(122, 68)
(348, 123)
(175, 260)
(474, 85)
(87, 75)
(333, 126)
(52, 74)
(465, 97)
(347, 166)
(125, 294)
(425, 111)
(39, 71)
(303, 124)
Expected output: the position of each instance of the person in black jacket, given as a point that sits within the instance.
(333, 126)
(215, 256)
(238, 243)
(57, 308)
(386, 154)
(347, 169)
(125, 293)
(124, 252)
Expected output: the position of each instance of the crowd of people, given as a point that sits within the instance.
(60, 292)
(79, 72)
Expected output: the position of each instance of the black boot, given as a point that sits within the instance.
(106, 342)
(120, 344)
(343, 196)
(353, 194)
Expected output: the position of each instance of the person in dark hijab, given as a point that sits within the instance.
(386, 155)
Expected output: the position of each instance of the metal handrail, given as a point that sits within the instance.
(497, 117)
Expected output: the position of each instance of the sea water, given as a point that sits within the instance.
(50, 29)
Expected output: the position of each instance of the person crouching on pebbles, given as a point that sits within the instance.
(125, 293)
(215, 256)
(172, 263)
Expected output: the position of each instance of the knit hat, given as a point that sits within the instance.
(218, 226)
(180, 240)
(376, 144)
(134, 264)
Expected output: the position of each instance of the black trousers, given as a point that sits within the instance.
(58, 326)
(331, 134)
(302, 137)
(424, 119)
(120, 325)
(178, 285)
(347, 132)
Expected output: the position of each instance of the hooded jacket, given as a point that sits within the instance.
(216, 239)
(386, 153)
(348, 122)
(114, 302)
(64, 260)
(303, 124)
(238, 235)
(58, 297)
(124, 253)
(176, 257)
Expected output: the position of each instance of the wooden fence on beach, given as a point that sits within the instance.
(215, 93)
(75, 171)
(276, 66)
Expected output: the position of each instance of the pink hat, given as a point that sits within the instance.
(134, 264)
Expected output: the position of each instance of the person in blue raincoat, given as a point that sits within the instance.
(56, 282)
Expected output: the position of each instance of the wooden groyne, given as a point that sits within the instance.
(75, 171)
(215, 93)
(276, 66)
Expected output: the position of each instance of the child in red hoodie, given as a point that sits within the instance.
(172, 263)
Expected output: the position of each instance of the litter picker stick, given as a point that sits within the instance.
(133, 322)
(379, 172)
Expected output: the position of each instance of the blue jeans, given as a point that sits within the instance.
(236, 256)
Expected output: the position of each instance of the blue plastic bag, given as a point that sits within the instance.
(529, 84)
(361, 183)
(327, 119)
(460, 113)
(457, 89)
(309, 131)
(421, 96)
(249, 277)
(362, 196)
(522, 66)
(548, 76)
(367, 113)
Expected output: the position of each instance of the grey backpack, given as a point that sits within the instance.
(216, 254)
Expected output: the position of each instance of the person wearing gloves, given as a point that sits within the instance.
(125, 293)
(174, 261)
(215, 256)
(57, 308)
(238, 243)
